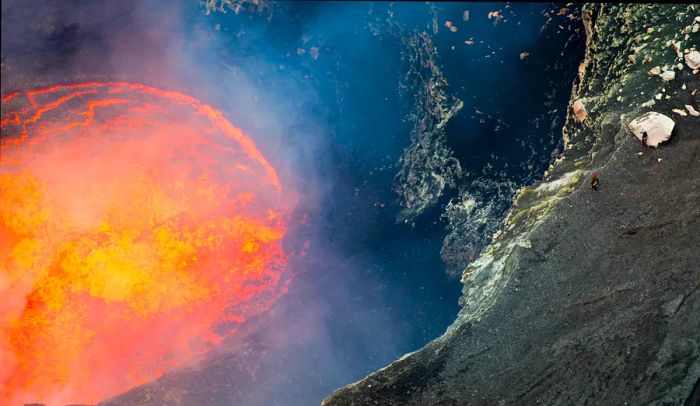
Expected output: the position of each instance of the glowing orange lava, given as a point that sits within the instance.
(137, 227)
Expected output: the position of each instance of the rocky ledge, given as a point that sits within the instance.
(587, 297)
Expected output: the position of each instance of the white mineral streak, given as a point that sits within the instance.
(485, 278)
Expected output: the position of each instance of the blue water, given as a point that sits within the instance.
(377, 288)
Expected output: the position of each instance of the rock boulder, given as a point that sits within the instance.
(658, 127)
(692, 59)
(580, 111)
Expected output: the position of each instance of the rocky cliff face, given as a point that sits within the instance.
(587, 296)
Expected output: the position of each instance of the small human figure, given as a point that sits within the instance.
(594, 181)
(645, 136)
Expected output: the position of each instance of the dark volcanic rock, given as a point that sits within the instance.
(587, 297)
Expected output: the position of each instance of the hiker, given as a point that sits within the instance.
(594, 181)
(645, 136)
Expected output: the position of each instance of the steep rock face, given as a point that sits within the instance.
(585, 297)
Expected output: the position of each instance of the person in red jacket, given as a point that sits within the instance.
(594, 181)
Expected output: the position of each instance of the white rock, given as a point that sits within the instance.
(659, 96)
(692, 59)
(658, 127)
(654, 71)
(668, 76)
(691, 110)
(677, 48)
(683, 87)
(680, 112)
(696, 27)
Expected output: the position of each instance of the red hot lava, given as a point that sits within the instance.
(138, 227)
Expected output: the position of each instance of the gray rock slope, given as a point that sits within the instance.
(586, 297)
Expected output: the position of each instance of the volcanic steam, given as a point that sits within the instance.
(138, 227)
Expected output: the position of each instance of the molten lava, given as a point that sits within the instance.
(138, 227)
